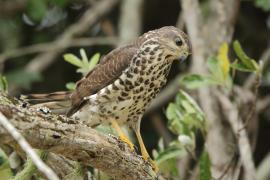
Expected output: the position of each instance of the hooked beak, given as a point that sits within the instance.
(183, 57)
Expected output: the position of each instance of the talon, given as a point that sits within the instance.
(126, 140)
(121, 134)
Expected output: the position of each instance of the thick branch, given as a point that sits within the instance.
(70, 138)
(130, 20)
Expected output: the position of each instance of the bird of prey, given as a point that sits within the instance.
(120, 88)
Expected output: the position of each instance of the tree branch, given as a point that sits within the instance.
(51, 46)
(74, 140)
(201, 32)
(237, 125)
(130, 20)
(265, 58)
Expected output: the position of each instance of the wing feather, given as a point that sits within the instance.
(105, 73)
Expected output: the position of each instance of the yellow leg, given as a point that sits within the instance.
(144, 152)
(121, 134)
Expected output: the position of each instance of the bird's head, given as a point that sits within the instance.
(173, 41)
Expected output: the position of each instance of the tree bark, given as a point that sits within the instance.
(72, 139)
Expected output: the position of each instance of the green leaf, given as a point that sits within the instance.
(169, 168)
(83, 71)
(248, 62)
(169, 153)
(72, 59)
(205, 165)
(185, 97)
(194, 120)
(36, 9)
(224, 62)
(84, 57)
(93, 61)
(174, 117)
(71, 86)
(3, 83)
(240, 66)
(216, 72)
(194, 81)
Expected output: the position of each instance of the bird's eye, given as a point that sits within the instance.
(178, 41)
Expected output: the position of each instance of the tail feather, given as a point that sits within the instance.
(55, 96)
(55, 101)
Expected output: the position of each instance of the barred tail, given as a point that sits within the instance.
(55, 96)
(55, 101)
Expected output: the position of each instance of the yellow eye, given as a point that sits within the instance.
(178, 41)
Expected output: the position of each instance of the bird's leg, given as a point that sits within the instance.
(121, 134)
(144, 152)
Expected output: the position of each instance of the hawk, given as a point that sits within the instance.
(120, 88)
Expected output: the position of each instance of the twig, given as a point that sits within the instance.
(51, 46)
(243, 143)
(265, 58)
(42, 167)
(263, 103)
(72, 139)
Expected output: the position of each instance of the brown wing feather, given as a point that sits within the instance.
(106, 72)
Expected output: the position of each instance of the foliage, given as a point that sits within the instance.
(246, 63)
(264, 4)
(205, 173)
(5, 170)
(84, 64)
(221, 69)
(29, 167)
(185, 118)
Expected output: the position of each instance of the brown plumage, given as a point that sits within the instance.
(110, 68)
(122, 85)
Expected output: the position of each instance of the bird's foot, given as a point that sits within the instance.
(121, 134)
(152, 163)
(125, 139)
